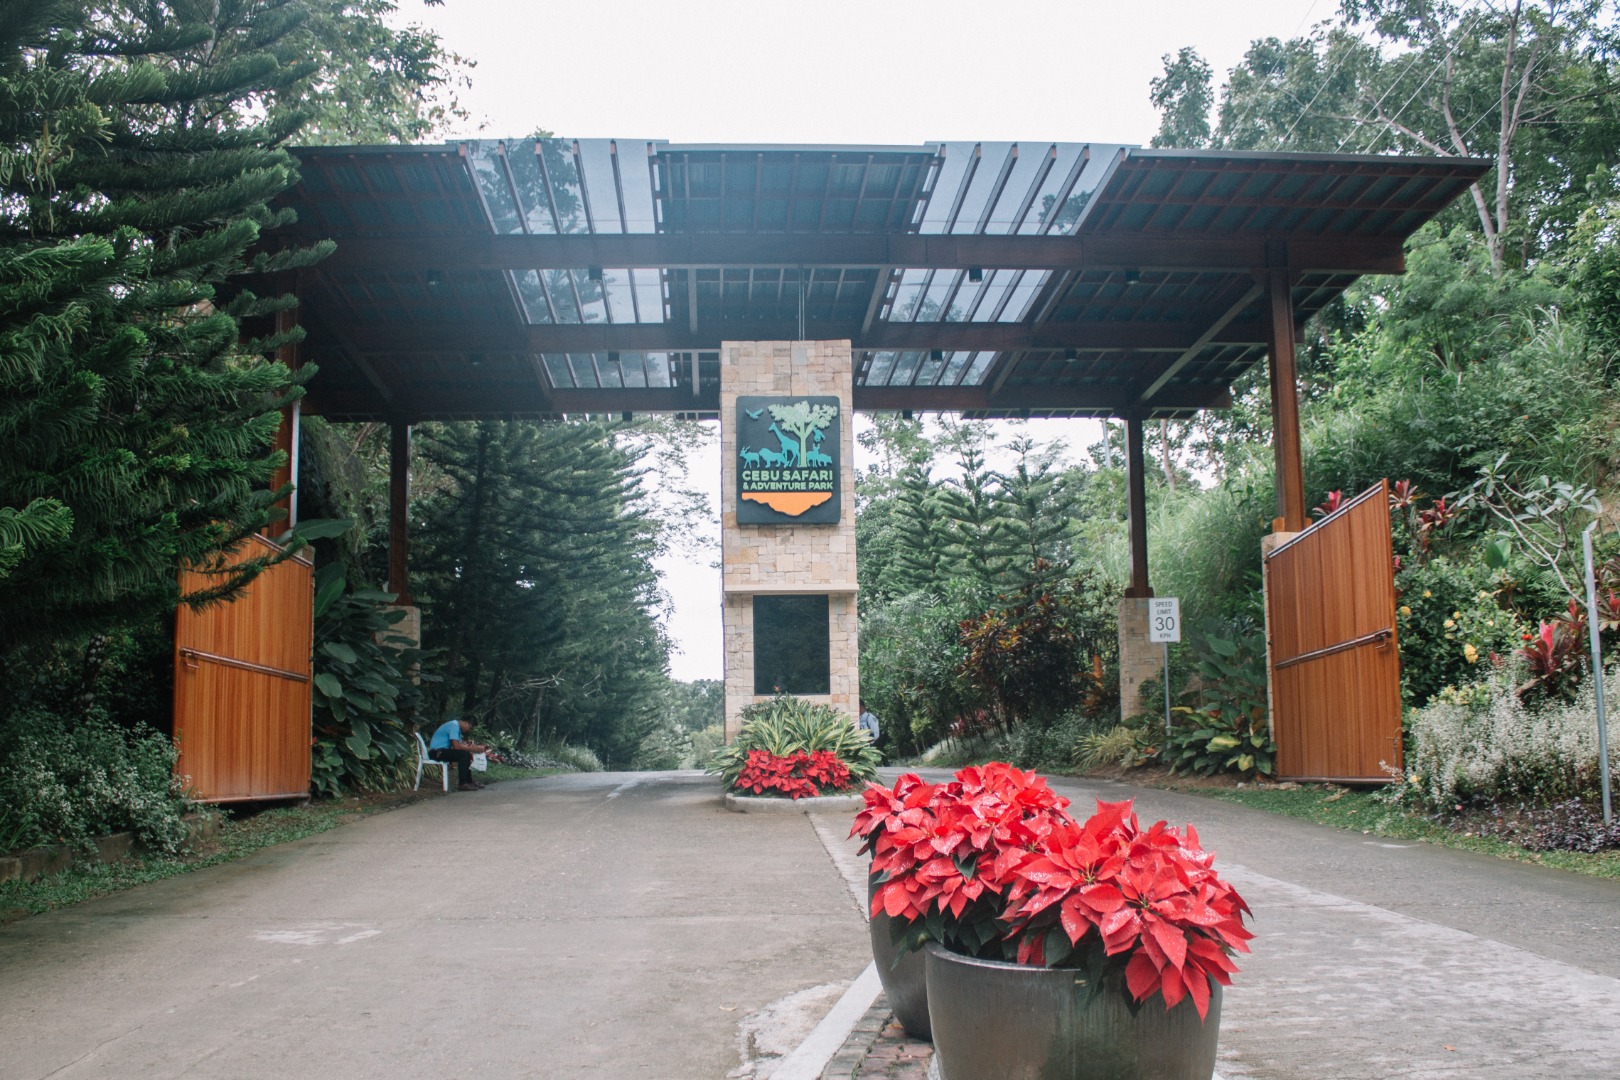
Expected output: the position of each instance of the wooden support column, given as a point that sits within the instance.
(286, 439)
(399, 497)
(1136, 508)
(1285, 406)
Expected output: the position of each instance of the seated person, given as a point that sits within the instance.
(450, 744)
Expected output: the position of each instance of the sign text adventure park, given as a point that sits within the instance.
(787, 460)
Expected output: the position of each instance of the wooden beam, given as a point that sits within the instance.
(1203, 341)
(1136, 507)
(1348, 255)
(403, 339)
(470, 401)
(399, 501)
(1285, 406)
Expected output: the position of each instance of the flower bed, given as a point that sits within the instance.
(789, 748)
(800, 774)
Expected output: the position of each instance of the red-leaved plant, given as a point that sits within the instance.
(991, 865)
(800, 774)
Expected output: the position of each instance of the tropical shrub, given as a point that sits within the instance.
(1030, 655)
(1128, 745)
(70, 783)
(1449, 622)
(786, 725)
(1207, 742)
(911, 661)
(574, 756)
(364, 689)
(1228, 729)
(1488, 746)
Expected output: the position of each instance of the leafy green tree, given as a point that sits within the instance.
(972, 531)
(1529, 85)
(1183, 95)
(375, 81)
(1035, 511)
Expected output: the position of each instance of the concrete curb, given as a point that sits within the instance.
(46, 861)
(810, 1057)
(819, 804)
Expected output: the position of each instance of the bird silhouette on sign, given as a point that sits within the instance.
(754, 414)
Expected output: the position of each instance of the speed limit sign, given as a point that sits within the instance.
(1164, 619)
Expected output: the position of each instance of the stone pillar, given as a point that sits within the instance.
(785, 558)
(1139, 658)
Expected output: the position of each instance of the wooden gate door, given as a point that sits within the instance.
(242, 684)
(1335, 666)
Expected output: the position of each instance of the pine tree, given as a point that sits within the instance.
(136, 175)
(972, 547)
(534, 560)
(919, 539)
(1035, 514)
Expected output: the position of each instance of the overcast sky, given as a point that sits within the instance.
(832, 71)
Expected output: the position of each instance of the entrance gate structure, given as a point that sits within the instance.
(1330, 628)
(551, 278)
(242, 683)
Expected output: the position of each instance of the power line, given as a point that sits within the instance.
(1249, 110)
(1478, 13)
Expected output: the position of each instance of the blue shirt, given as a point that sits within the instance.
(450, 729)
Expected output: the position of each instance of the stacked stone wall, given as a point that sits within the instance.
(787, 559)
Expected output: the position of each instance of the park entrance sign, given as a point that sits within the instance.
(788, 460)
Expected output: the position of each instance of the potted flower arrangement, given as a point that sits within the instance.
(794, 749)
(1055, 948)
(901, 827)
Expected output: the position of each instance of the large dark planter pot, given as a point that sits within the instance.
(996, 1021)
(903, 981)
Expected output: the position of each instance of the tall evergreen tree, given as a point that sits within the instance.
(918, 559)
(1036, 507)
(534, 561)
(971, 548)
(137, 171)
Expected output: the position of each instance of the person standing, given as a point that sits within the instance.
(451, 743)
(869, 723)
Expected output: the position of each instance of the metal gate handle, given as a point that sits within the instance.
(1381, 638)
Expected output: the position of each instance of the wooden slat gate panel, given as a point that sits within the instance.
(242, 684)
(1335, 665)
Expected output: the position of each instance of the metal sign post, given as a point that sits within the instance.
(1597, 672)
(1164, 626)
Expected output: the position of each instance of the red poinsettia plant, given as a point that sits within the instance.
(801, 774)
(991, 865)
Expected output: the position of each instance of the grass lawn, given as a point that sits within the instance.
(236, 838)
(1344, 808)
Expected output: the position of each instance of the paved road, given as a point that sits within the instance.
(623, 926)
(1378, 959)
(583, 926)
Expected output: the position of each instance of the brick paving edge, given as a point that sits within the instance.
(862, 1037)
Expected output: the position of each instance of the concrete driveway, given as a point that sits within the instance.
(623, 925)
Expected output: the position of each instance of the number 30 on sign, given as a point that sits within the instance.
(1164, 619)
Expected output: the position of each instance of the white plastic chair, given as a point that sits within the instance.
(422, 759)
